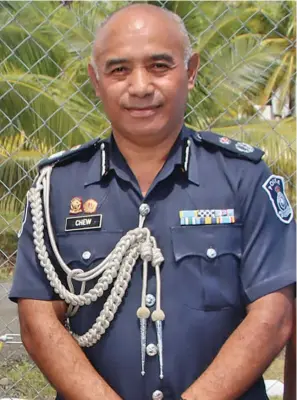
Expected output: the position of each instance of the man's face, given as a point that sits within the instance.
(143, 82)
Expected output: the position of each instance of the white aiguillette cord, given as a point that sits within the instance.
(153, 255)
(116, 269)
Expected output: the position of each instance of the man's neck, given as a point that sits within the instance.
(146, 159)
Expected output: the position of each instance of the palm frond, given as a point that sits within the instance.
(52, 113)
(16, 176)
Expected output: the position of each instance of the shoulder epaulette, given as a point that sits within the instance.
(72, 154)
(231, 147)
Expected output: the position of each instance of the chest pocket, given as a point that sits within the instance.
(85, 250)
(207, 258)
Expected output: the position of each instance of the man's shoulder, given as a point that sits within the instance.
(76, 153)
(229, 147)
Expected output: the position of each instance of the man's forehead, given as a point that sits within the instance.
(140, 54)
(154, 32)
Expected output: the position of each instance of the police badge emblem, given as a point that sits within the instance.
(274, 186)
(76, 205)
(90, 206)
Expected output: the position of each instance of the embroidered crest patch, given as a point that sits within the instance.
(274, 186)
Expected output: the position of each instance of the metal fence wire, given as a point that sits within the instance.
(245, 90)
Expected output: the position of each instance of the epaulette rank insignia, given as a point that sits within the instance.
(238, 149)
(67, 155)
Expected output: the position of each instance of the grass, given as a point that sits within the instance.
(6, 267)
(25, 380)
(276, 369)
(6, 274)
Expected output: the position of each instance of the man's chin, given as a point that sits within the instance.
(146, 129)
(146, 126)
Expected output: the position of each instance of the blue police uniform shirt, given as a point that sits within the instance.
(210, 274)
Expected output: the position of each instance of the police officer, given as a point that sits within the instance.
(170, 251)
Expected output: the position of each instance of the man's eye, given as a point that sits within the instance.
(160, 67)
(119, 70)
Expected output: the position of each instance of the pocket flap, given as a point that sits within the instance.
(198, 240)
(87, 247)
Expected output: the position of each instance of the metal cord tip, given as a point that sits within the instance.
(144, 210)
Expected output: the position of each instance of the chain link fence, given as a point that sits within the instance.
(245, 90)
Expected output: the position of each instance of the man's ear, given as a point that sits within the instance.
(193, 67)
(94, 80)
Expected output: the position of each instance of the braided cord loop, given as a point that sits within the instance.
(116, 268)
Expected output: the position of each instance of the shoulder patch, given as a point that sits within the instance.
(274, 186)
(69, 155)
(234, 147)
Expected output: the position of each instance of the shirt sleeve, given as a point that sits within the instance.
(268, 258)
(29, 279)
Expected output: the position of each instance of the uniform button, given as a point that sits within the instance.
(150, 300)
(211, 253)
(151, 350)
(157, 395)
(86, 255)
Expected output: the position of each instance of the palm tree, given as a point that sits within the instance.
(263, 59)
(46, 104)
(278, 26)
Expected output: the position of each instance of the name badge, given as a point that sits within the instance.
(83, 223)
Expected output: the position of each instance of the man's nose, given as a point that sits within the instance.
(140, 84)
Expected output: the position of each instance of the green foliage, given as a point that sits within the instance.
(10, 224)
(47, 103)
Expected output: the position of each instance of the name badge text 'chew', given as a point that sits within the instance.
(83, 223)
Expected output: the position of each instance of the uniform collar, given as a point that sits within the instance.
(94, 174)
(114, 161)
(193, 167)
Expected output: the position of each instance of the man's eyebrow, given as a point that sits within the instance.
(115, 61)
(162, 57)
(154, 57)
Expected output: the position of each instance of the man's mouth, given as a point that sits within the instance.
(142, 112)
